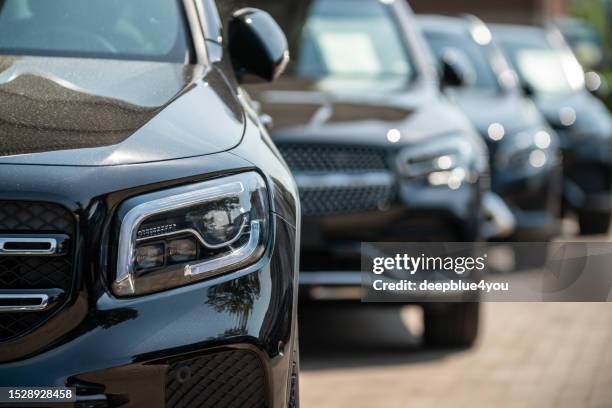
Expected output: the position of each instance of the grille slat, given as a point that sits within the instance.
(225, 379)
(303, 157)
(33, 272)
(326, 201)
(325, 159)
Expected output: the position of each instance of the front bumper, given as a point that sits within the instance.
(587, 168)
(535, 202)
(139, 352)
(331, 245)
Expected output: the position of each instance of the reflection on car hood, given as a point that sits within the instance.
(513, 112)
(307, 110)
(68, 111)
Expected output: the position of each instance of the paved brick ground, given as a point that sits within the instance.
(529, 355)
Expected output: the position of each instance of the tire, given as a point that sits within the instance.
(594, 223)
(451, 324)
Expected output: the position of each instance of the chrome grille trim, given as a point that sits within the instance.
(344, 180)
(51, 242)
(42, 304)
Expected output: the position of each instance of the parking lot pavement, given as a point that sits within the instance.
(528, 355)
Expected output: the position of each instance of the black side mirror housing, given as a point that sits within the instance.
(257, 46)
(451, 75)
(597, 84)
(454, 71)
(527, 89)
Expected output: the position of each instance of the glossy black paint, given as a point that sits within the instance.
(320, 112)
(533, 195)
(164, 125)
(585, 142)
(121, 345)
(257, 45)
(116, 112)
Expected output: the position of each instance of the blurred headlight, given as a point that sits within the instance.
(526, 150)
(447, 161)
(182, 235)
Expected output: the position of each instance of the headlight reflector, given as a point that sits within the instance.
(447, 161)
(175, 237)
(527, 151)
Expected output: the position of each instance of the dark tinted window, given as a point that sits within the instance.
(121, 29)
(352, 39)
(472, 57)
(544, 62)
(354, 43)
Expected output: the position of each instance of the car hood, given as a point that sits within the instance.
(591, 115)
(512, 111)
(305, 110)
(88, 112)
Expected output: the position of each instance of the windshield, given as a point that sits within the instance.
(473, 58)
(117, 29)
(544, 63)
(352, 40)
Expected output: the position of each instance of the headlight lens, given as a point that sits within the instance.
(446, 161)
(186, 234)
(526, 150)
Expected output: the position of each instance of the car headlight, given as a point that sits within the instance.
(178, 236)
(447, 161)
(526, 150)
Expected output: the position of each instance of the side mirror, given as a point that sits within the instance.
(454, 69)
(257, 46)
(527, 89)
(597, 84)
(451, 75)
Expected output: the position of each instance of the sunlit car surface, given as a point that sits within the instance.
(378, 153)
(524, 150)
(148, 227)
(550, 73)
(585, 40)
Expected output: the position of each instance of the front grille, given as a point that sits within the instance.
(23, 217)
(344, 200)
(220, 380)
(347, 162)
(304, 157)
(33, 272)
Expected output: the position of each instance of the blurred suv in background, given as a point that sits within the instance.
(377, 151)
(525, 155)
(551, 75)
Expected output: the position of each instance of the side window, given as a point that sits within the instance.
(214, 27)
(227, 7)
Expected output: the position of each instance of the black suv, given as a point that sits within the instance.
(377, 151)
(524, 151)
(148, 228)
(551, 75)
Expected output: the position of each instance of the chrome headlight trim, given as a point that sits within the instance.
(244, 187)
(452, 156)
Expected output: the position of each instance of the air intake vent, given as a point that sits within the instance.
(220, 380)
